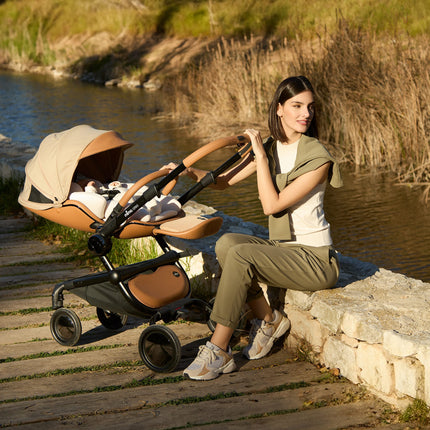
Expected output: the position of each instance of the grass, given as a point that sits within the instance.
(9, 191)
(45, 32)
(75, 242)
(417, 412)
(53, 20)
(60, 353)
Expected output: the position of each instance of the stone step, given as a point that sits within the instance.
(13, 305)
(231, 398)
(54, 274)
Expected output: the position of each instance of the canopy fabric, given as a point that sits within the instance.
(97, 154)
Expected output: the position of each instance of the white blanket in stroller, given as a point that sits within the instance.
(157, 209)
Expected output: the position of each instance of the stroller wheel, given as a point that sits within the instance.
(111, 320)
(211, 324)
(66, 327)
(159, 348)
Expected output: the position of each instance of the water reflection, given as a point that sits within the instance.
(371, 218)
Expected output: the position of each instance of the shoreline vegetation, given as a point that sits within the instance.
(215, 64)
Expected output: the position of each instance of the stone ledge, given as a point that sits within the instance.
(374, 330)
(373, 326)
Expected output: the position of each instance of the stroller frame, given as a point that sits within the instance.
(159, 347)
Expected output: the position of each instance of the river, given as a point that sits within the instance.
(372, 218)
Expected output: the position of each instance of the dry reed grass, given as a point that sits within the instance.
(372, 94)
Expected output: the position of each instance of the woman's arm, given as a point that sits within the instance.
(272, 201)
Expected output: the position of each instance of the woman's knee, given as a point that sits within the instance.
(224, 244)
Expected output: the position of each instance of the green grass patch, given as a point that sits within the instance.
(284, 387)
(417, 411)
(34, 25)
(198, 399)
(27, 311)
(149, 381)
(74, 370)
(61, 353)
(9, 192)
(75, 243)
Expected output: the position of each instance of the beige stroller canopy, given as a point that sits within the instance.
(81, 150)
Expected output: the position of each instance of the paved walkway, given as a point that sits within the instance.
(101, 382)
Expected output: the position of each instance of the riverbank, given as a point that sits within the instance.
(369, 70)
(365, 90)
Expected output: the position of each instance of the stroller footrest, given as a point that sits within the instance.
(190, 227)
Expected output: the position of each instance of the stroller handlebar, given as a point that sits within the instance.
(238, 141)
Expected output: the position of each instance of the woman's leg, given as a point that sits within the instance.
(238, 284)
(260, 310)
(244, 262)
(248, 260)
(221, 336)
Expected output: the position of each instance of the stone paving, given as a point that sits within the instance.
(102, 383)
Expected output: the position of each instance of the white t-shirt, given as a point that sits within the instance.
(307, 219)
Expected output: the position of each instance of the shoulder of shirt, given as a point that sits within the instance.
(313, 144)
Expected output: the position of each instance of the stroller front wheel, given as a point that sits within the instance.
(111, 320)
(66, 327)
(159, 348)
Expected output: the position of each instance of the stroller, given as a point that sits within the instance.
(154, 290)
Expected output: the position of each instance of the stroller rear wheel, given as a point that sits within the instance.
(159, 348)
(66, 327)
(111, 320)
(240, 329)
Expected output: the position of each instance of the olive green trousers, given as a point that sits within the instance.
(247, 260)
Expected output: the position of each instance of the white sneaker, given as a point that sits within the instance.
(210, 362)
(263, 335)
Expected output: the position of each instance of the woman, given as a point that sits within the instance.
(292, 169)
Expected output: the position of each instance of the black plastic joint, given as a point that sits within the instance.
(99, 244)
(208, 179)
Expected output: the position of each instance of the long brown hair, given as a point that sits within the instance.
(288, 88)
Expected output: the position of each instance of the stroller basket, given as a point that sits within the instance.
(155, 289)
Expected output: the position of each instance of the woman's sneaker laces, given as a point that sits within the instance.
(263, 335)
(210, 362)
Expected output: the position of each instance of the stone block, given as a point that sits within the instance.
(350, 341)
(356, 324)
(337, 354)
(409, 377)
(400, 344)
(375, 368)
(329, 316)
(304, 327)
(424, 358)
(302, 299)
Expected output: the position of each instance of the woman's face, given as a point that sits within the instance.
(296, 114)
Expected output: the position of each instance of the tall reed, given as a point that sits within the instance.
(372, 94)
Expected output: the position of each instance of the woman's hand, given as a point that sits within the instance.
(257, 143)
(169, 167)
(172, 166)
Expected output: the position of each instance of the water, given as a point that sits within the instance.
(372, 219)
